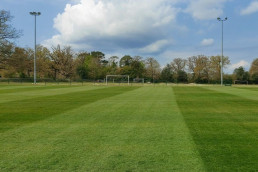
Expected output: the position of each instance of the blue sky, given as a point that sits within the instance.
(164, 29)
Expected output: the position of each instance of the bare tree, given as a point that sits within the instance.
(152, 68)
(6, 30)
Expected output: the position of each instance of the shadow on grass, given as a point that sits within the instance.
(18, 113)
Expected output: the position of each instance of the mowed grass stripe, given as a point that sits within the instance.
(17, 113)
(39, 92)
(18, 89)
(140, 130)
(224, 127)
(244, 93)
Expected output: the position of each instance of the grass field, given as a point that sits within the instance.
(155, 128)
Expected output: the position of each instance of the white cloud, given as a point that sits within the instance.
(242, 63)
(108, 23)
(252, 8)
(207, 42)
(154, 47)
(205, 9)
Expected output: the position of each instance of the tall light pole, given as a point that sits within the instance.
(221, 69)
(35, 14)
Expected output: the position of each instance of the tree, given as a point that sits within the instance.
(167, 73)
(43, 61)
(254, 71)
(152, 68)
(215, 66)
(6, 50)
(182, 76)
(21, 62)
(6, 30)
(241, 74)
(62, 62)
(125, 61)
(94, 67)
(80, 65)
(199, 67)
(111, 69)
(137, 67)
(178, 65)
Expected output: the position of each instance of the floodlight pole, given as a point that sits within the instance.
(35, 14)
(221, 69)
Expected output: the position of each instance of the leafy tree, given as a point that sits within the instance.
(113, 61)
(182, 76)
(6, 50)
(125, 61)
(241, 74)
(167, 73)
(112, 65)
(81, 67)
(43, 61)
(137, 67)
(97, 54)
(62, 65)
(94, 67)
(21, 62)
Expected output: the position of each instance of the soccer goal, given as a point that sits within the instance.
(118, 79)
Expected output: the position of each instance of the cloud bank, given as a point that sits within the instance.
(123, 24)
(205, 9)
(242, 63)
(252, 8)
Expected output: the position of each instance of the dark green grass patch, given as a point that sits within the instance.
(18, 89)
(224, 128)
(18, 113)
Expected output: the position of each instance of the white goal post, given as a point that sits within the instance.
(118, 76)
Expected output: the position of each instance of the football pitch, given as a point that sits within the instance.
(128, 128)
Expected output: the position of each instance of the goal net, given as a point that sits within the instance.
(138, 80)
(117, 79)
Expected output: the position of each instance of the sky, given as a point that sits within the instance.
(163, 29)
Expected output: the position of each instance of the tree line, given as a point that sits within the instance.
(63, 63)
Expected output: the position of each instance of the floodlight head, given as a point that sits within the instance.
(218, 18)
(35, 13)
(226, 18)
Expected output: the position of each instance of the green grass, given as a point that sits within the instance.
(224, 127)
(96, 128)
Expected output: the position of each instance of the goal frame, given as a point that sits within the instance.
(120, 76)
